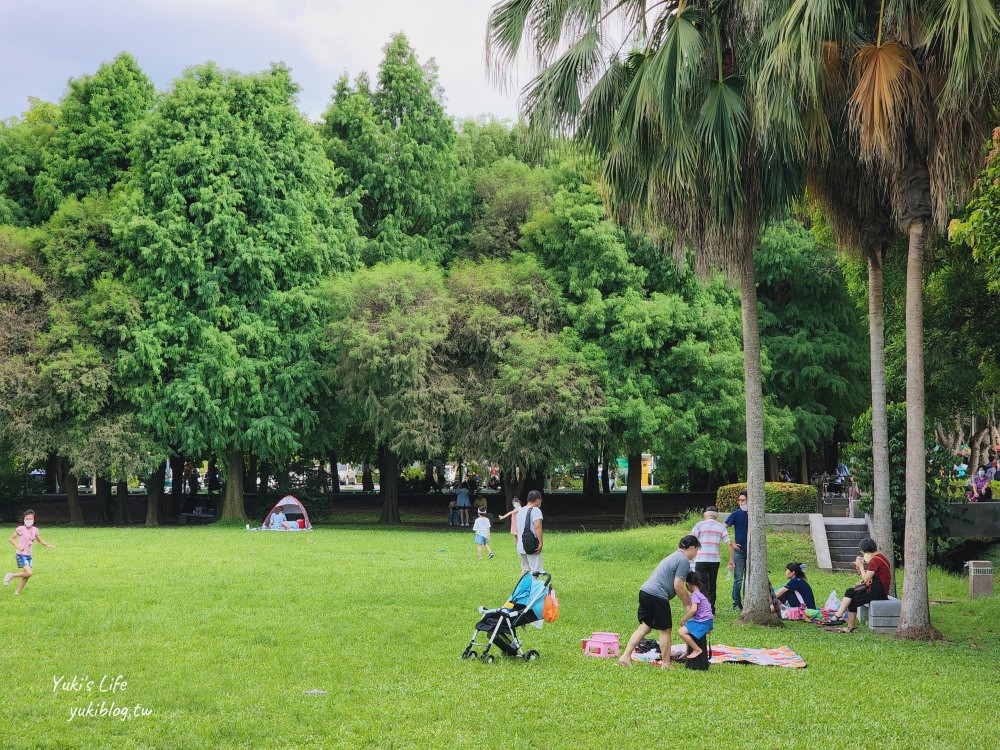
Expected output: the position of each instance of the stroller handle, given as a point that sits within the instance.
(546, 575)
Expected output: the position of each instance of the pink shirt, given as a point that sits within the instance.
(513, 523)
(26, 538)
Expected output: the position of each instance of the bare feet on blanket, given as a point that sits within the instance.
(625, 661)
(696, 653)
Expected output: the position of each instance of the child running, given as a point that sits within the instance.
(482, 529)
(697, 621)
(23, 538)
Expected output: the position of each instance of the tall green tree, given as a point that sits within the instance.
(660, 96)
(921, 81)
(22, 145)
(396, 146)
(89, 150)
(387, 333)
(813, 336)
(230, 218)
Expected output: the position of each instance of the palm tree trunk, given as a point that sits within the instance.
(915, 613)
(633, 493)
(882, 511)
(757, 602)
(232, 499)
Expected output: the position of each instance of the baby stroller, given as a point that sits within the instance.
(500, 625)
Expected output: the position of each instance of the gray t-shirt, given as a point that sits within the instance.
(661, 582)
(522, 515)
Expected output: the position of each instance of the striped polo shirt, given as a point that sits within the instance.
(711, 534)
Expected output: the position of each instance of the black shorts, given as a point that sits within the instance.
(654, 611)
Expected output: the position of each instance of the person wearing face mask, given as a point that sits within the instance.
(874, 585)
(981, 489)
(740, 521)
(23, 538)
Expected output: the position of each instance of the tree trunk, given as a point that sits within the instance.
(69, 483)
(334, 472)
(772, 468)
(633, 493)
(250, 475)
(591, 484)
(388, 485)
(882, 510)
(606, 475)
(507, 486)
(102, 500)
(521, 486)
(978, 449)
(915, 612)
(757, 602)
(123, 516)
(177, 485)
(429, 476)
(265, 478)
(232, 499)
(154, 494)
(804, 466)
(52, 474)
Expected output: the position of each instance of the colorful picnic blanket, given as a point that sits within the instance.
(782, 656)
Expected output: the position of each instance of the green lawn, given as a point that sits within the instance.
(220, 633)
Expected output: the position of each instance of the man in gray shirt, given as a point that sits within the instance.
(655, 594)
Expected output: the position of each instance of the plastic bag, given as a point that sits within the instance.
(550, 609)
(832, 601)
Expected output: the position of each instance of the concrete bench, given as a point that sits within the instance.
(881, 616)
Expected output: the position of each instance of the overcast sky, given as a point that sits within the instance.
(43, 43)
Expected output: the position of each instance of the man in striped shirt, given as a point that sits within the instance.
(711, 533)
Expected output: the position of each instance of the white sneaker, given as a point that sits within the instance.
(6, 579)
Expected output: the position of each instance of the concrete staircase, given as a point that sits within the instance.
(836, 540)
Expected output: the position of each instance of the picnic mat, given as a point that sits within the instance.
(782, 656)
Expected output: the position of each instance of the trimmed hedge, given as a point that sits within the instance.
(779, 497)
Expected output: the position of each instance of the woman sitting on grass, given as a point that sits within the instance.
(796, 592)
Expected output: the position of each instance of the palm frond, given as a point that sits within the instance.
(554, 94)
(887, 83)
(505, 31)
(966, 33)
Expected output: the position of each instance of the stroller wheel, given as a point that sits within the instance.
(489, 659)
(468, 654)
(531, 655)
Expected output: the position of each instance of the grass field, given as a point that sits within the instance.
(219, 633)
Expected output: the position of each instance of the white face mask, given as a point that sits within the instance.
(29, 523)
(868, 556)
(743, 505)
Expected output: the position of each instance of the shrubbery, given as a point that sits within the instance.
(779, 497)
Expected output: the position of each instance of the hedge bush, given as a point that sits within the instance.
(779, 497)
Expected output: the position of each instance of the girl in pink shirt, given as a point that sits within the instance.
(513, 518)
(23, 538)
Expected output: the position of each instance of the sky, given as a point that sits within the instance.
(44, 43)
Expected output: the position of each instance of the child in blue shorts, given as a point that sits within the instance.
(23, 538)
(698, 621)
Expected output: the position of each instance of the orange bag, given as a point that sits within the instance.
(550, 609)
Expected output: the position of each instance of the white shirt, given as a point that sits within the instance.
(482, 526)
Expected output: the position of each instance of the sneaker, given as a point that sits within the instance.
(737, 608)
(6, 579)
(491, 555)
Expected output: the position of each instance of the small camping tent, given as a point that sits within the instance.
(294, 511)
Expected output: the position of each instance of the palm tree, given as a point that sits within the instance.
(657, 91)
(922, 76)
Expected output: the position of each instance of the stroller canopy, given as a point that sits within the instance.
(293, 510)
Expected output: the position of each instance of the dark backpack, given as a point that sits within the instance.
(528, 539)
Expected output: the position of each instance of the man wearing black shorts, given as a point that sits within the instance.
(655, 594)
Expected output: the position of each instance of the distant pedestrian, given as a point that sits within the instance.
(512, 515)
(711, 534)
(529, 517)
(23, 538)
(482, 529)
(464, 503)
(740, 521)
